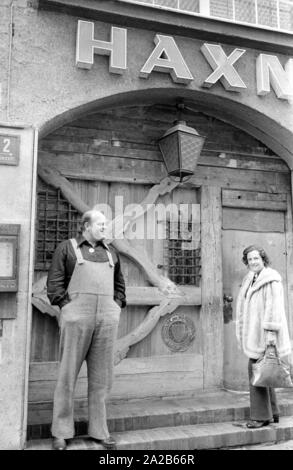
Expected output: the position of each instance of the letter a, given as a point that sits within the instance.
(87, 46)
(167, 58)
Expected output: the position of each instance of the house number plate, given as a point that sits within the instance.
(9, 149)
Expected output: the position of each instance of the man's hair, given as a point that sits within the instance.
(262, 253)
(87, 218)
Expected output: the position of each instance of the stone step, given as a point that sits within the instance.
(283, 445)
(189, 437)
(206, 407)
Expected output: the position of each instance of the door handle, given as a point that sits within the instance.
(227, 308)
(228, 298)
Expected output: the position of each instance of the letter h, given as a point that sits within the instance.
(87, 46)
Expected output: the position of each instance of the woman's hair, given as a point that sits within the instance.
(263, 255)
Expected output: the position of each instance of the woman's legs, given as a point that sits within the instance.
(263, 402)
(274, 404)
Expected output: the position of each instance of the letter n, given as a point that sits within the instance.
(269, 71)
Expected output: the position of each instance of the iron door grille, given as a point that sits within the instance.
(57, 220)
(182, 258)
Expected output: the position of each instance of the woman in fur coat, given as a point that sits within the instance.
(261, 321)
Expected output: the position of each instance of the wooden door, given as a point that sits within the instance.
(249, 218)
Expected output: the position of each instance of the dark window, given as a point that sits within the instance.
(182, 253)
(57, 220)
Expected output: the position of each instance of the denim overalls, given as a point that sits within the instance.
(89, 324)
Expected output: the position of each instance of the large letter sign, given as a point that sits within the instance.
(87, 46)
(269, 71)
(167, 58)
(223, 67)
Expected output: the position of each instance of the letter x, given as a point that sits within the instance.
(223, 67)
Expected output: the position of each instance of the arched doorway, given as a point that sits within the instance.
(113, 152)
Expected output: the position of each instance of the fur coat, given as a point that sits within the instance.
(260, 307)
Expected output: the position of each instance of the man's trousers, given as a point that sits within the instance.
(89, 326)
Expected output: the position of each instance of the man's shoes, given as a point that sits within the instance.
(59, 443)
(252, 424)
(108, 443)
(276, 418)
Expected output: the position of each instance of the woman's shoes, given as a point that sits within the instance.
(109, 442)
(59, 443)
(252, 424)
(276, 418)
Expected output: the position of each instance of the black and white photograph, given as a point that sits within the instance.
(146, 229)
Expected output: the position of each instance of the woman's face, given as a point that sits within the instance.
(255, 262)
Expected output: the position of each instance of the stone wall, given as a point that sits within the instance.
(16, 207)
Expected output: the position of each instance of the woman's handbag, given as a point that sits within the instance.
(271, 371)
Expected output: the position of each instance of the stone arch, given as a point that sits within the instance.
(261, 126)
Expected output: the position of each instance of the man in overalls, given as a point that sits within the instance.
(86, 281)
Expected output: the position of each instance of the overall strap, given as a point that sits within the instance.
(110, 257)
(77, 251)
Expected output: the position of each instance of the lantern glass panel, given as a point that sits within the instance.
(190, 148)
(169, 149)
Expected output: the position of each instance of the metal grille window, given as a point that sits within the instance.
(286, 15)
(267, 13)
(221, 8)
(57, 220)
(245, 11)
(192, 6)
(275, 14)
(182, 258)
(167, 3)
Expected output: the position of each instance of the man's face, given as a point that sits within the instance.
(96, 228)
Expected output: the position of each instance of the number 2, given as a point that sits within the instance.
(6, 145)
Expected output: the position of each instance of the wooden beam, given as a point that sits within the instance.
(291, 188)
(289, 259)
(152, 296)
(86, 167)
(259, 205)
(254, 200)
(253, 220)
(135, 296)
(212, 289)
(159, 374)
(99, 147)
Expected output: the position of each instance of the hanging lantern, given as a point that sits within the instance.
(181, 147)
